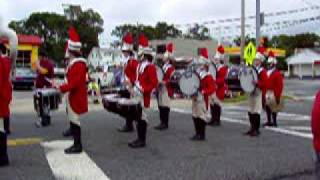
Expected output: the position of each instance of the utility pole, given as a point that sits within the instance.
(243, 33)
(258, 22)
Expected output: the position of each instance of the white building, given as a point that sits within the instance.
(305, 63)
(101, 57)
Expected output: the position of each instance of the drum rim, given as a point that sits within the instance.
(253, 77)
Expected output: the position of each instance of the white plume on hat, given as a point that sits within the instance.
(272, 59)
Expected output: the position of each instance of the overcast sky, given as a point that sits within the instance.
(115, 12)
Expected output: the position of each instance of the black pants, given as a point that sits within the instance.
(271, 116)
(164, 114)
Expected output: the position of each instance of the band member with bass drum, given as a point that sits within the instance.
(45, 75)
(165, 92)
(76, 89)
(256, 97)
(274, 102)
(130, 74)
(145, 84)
(201, 100)
(5, 100)
(218, 97)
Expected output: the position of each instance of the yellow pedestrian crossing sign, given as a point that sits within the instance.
(250, 53)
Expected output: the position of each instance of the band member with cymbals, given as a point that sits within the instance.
(165, 92)
(201, 100)
(274, 102)
(45, 74)
(76, 89)
(256, 97)
(145, 84)
(5, 100)
(130, 74)
(218, 97)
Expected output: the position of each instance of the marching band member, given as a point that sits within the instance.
(315, 126)
(216, 103)
(274, 102)
(165, 92)
(5, 100)
(130, 73)
(146, 82)
(201, 100)
(45, 74)
(256, 97)
(76, 89)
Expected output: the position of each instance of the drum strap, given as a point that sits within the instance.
(271, 71)
(203, 74)
(166, 67)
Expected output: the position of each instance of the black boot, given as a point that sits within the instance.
(274, 118)
(4, 160)
(216, 115)
(128, 127)
(268, 111)
(251, 124)
(140, 142)
(256, 123)
(76, 148)
(45, 120)
(197, 129)
(6, 123)
(164, 118)
(202, 129)
(67, 132)
(213, 112)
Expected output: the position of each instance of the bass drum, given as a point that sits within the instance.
(160, 73)
(213, 70)
(246, 76)
(189, 83)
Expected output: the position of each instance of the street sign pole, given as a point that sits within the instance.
(258, 22)
(242, 29)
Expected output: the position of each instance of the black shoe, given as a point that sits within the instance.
(254, 134)
(137, 144)
(74, 149)
(126, 129)
(214, 123)
(247, 133)
(267, 124)
(197, 138)
(45, 121)
(161, 127)
(67, 133)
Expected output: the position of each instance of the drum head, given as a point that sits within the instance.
(246, 76)
(189, 83)
(126, 101)
(159, 73)
(213, 70)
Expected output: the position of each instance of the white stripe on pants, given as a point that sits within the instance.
(2, 125)
(72, 116)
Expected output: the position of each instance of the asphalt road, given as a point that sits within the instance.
(226, 154)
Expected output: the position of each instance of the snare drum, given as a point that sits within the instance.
(129, 108)
(110, 103)
(46, 99)
(233, 80)
(246, 76)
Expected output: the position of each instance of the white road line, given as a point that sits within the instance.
(278, 130)
(71, 167)
(298, 128)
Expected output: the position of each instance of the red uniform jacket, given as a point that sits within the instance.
(207, 86)
(275, 84)
(315, 123)
(76, 85)
(5, 86)
(41, 81)
(147, 80)
(220, 81)
(130, 70)
(262, 82)
(168, 70)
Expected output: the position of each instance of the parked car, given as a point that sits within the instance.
(24, 78)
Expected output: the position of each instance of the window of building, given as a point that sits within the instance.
(24, 59)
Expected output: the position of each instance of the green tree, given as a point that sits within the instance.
(199, 32)
(53, 29)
